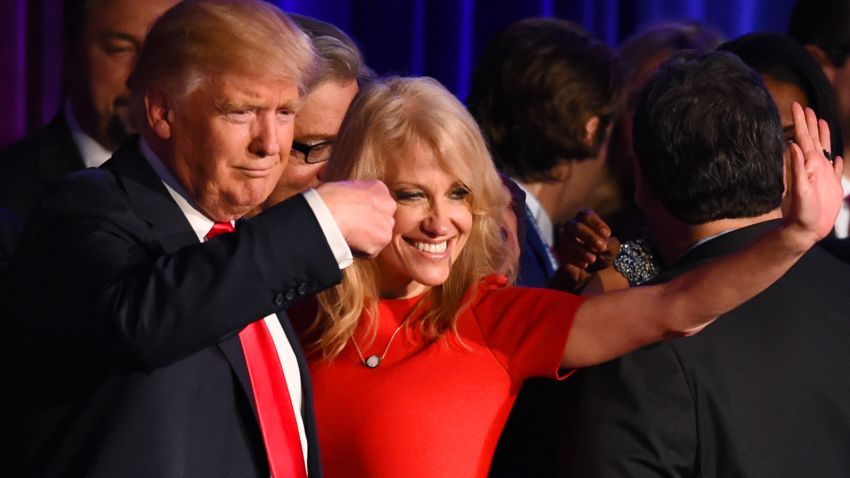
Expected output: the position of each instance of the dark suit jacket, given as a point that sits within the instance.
(32, 166)
(535, 269)
(763, 392)
(121, 343)
(527, 442)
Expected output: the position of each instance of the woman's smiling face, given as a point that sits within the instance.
(432, 223)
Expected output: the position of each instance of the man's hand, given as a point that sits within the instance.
(815, 184)
(363, 210)
(584, 241)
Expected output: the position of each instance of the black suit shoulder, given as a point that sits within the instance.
(125, 360)
(30, 167)
(759, 393)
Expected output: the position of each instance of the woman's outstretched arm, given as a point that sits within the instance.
(609, 325)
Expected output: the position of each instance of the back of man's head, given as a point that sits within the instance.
(199, 40)
(708, 139)
(341, 59)
(825, 24)
(535, 89)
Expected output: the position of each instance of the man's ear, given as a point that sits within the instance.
(590, 129)
(562, 171)
(159, 112)
(823, 60)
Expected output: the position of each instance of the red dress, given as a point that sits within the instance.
(437, 409)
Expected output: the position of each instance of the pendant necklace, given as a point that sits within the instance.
(373, 361)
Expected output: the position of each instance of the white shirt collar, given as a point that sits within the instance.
(703, 241)
(92, 152)
(200, 223)
(544, 224)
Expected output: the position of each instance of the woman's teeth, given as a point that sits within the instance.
(437, 248)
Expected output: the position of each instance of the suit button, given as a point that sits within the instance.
(290, 294)
(278, 299)
(302, 288)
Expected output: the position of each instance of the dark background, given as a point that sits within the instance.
(439, 38)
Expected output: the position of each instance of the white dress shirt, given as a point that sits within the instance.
(545, 229)
(92, 152)
(842, 222)
(201, 225)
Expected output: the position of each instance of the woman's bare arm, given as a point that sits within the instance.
(609, 325)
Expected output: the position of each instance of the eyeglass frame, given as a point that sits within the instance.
(306, 148)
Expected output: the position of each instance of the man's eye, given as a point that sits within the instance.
(119, 48)
(238, 116)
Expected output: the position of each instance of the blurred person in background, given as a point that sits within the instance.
(102, 40)
(823, 27)
(640, 54)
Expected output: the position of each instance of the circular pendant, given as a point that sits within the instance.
(373, 361)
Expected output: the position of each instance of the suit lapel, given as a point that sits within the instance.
(150, 200)
(57, 152)
(170, 231)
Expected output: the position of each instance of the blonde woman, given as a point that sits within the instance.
(418, 354)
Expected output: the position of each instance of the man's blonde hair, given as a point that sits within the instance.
(197, 40)
(388, 118)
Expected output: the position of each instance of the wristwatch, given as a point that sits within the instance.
(636, 262)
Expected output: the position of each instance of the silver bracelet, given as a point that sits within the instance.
(636, 262)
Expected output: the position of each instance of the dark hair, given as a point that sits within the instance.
(782, 58)
(535, 88)
(824, 23)
(708, 139)
(74, 14)
(341, 58)
(637, 50)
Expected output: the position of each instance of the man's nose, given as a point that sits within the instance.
(265, 138)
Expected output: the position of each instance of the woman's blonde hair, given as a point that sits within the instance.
(387, 119)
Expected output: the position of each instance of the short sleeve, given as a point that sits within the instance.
(526, 329)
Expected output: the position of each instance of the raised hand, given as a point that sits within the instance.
(363, 210)
(815, 183)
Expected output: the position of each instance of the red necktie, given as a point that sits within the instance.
(274, 405)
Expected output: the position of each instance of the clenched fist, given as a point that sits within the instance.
(363, 210)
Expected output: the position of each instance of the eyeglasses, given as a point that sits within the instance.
(311, 153)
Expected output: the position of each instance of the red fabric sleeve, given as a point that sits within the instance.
(526, 329)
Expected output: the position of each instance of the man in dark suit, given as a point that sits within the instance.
(763, 391)
(544, 93)
(133, 347)
(102, 40)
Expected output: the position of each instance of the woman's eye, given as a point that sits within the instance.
(459, 193)
(408, 195)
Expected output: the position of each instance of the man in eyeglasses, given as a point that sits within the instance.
(318, 121)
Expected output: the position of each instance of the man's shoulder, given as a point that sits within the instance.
(30, 166)
(53, 141)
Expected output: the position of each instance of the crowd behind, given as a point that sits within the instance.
(238, 251)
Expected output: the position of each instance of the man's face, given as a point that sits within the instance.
(102, 60)
(841, 85)
(228, 141)
(317, 121)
